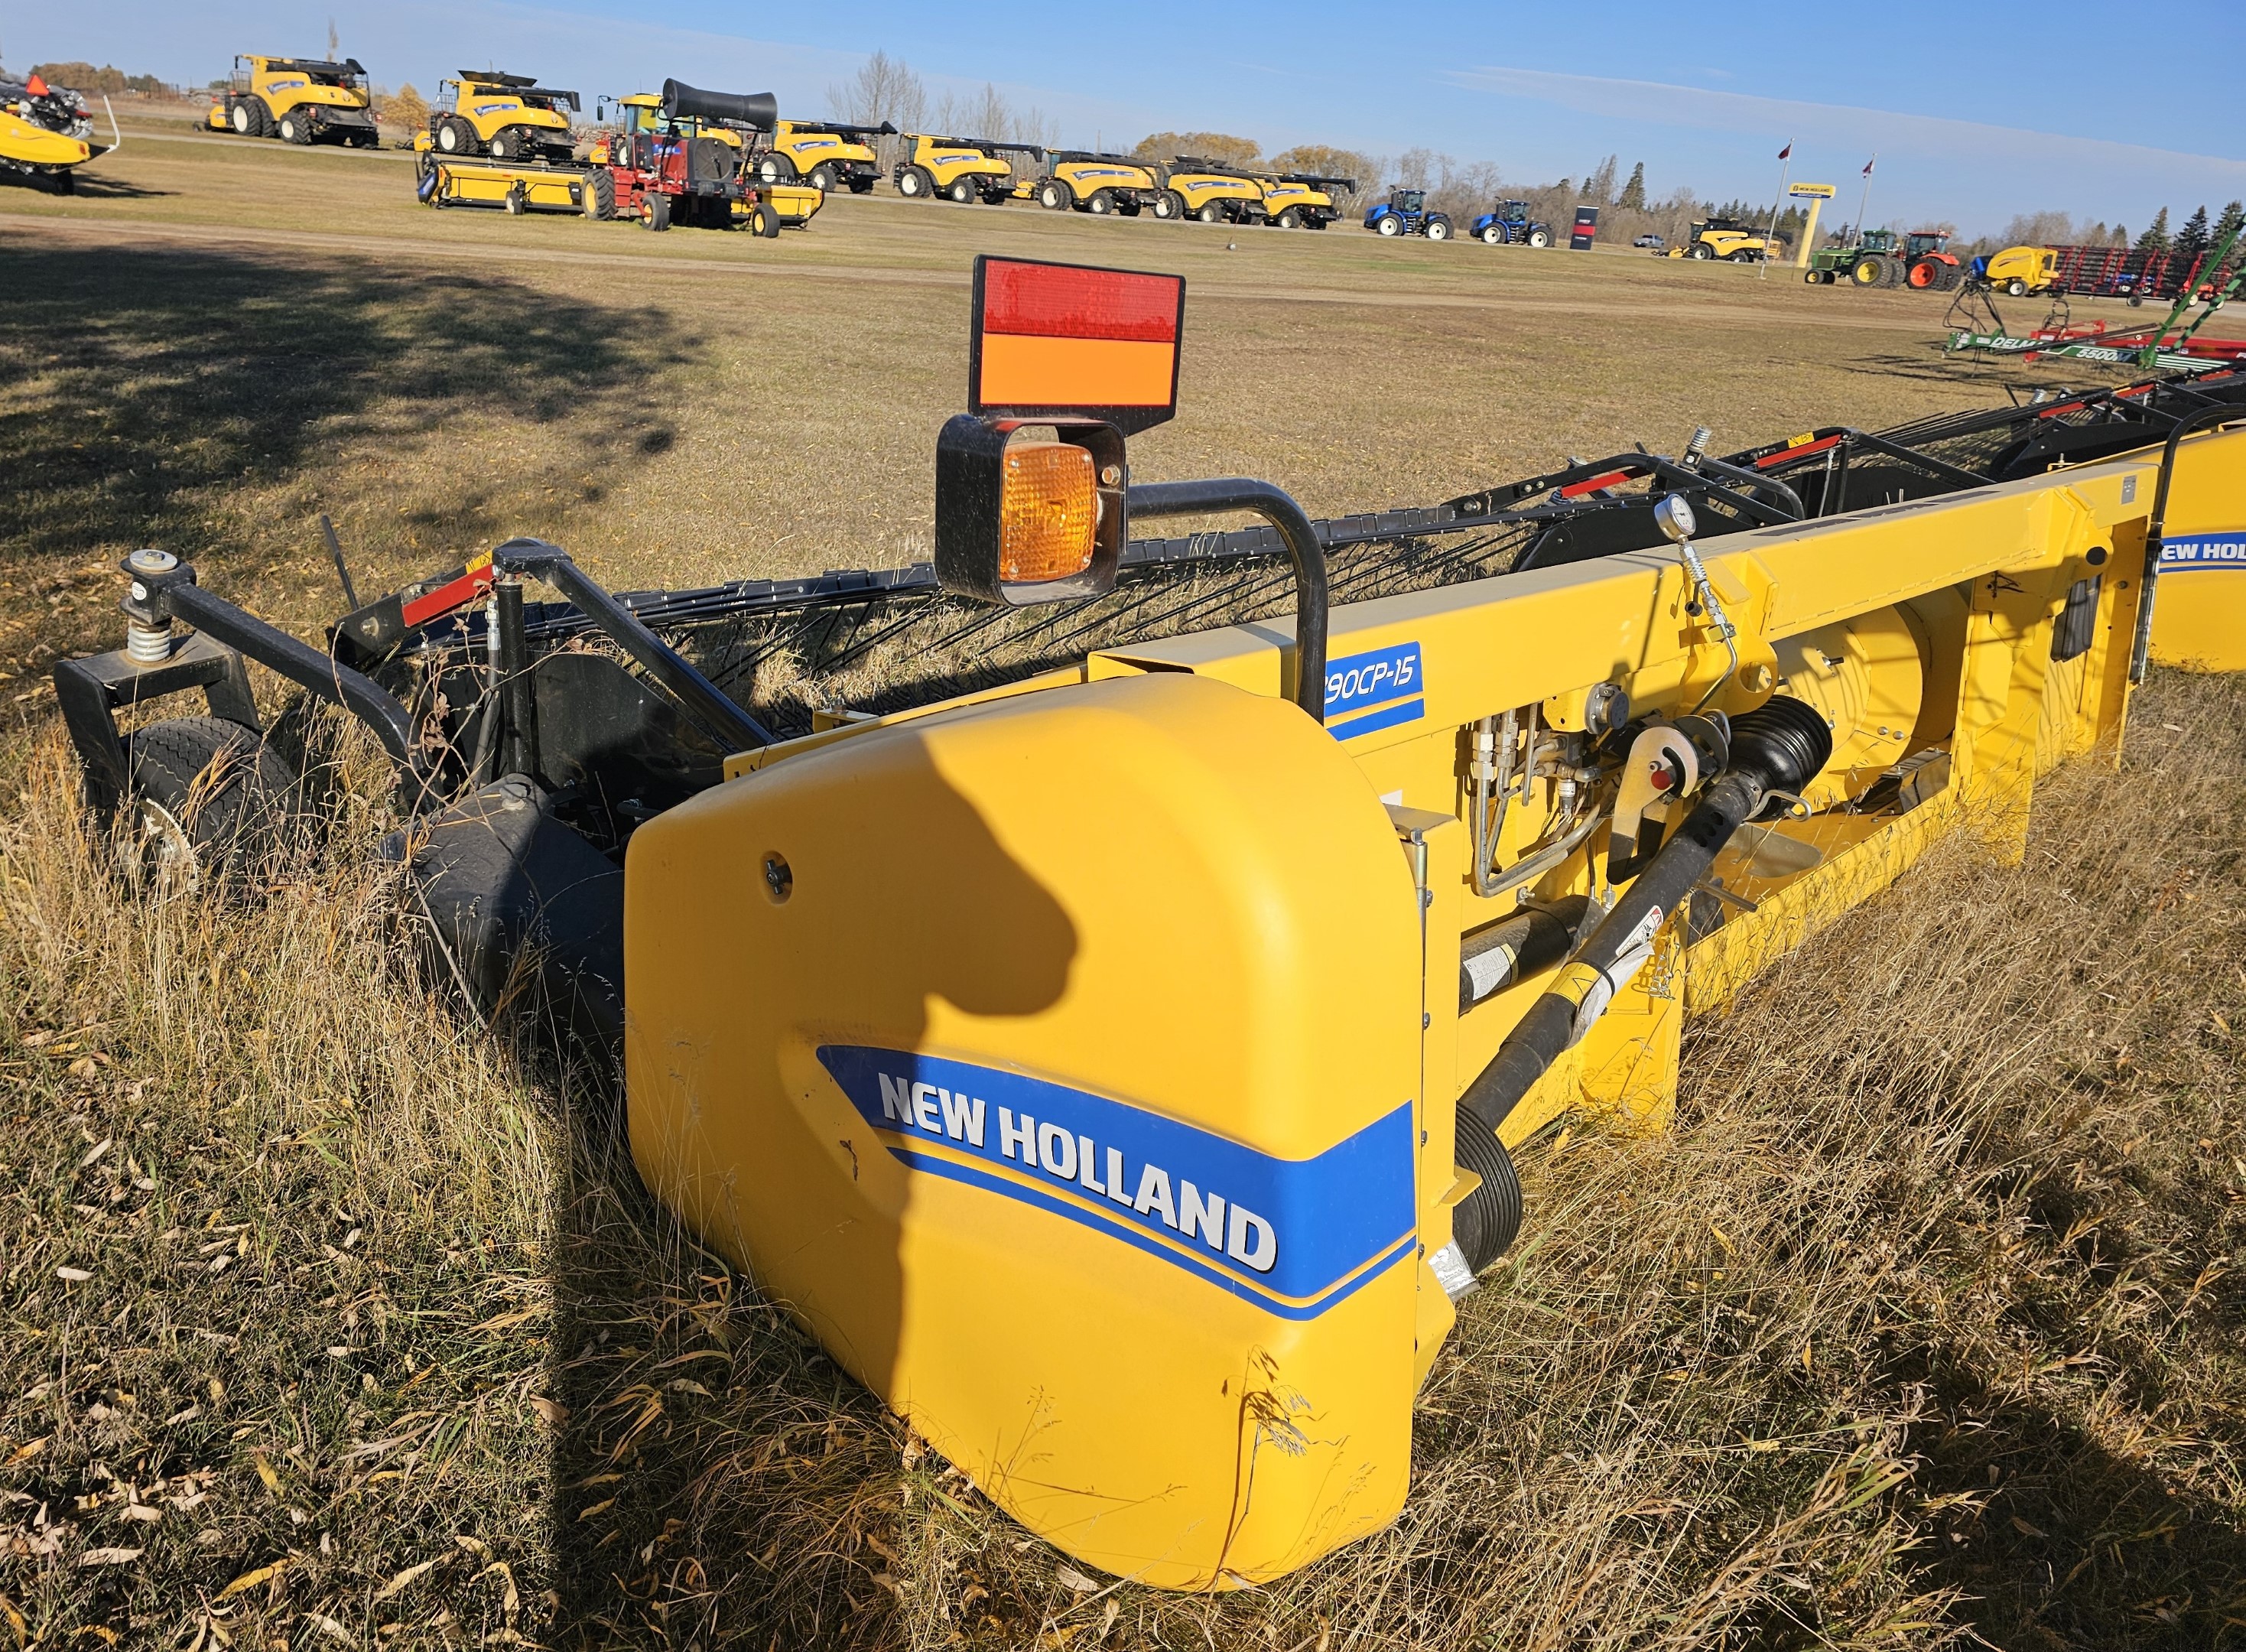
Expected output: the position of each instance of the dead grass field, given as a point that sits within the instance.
(326, 1322)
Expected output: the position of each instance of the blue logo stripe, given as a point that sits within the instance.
(1290, 1232)
(2203, 551)
(1388, 717)
(952, 1169)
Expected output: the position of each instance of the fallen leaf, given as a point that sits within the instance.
(552, 1410)
(589, 1513)
(140, 1512)
(404, 1579)
(333, 1629)
(1107, 1618)
(108, 1557)
(1806, 1358)
(1724, 1239)
(265, 1472)
(251, 1580)
(82, 1068)
(25, 1453)
(96, 1152)
(76, 1275)
(2024, 1529)
(1070, 1578)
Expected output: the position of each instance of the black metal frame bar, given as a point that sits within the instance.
(1277, 507)
(656, 657)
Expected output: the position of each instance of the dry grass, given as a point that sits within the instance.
(1920, 1327)
(1922, 1324)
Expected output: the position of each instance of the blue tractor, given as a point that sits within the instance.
(1507, 224)
(1405, 213)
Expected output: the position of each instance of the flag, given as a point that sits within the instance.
(1869, 165)
(1786, 153)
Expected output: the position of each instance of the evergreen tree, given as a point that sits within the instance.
(2155, 238)
(2191, 240)
(1633, 193)
(2233, 219)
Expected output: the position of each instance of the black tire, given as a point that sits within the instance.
(453, 136)
(655, 212)
(862, 184)
(600, 195)
(1539, 237)
(822, 179)
(2016, 288)
(1102, 203)
(1870, 270)
(1487, 1221)
(1054, 195)
(1743, 256)
(1210, 212)
(252, 119)
(1168, 205)
(914, 182)
(962, 190)
(1701, 250)
(209, 804)
(1438, 228)
(1388, 224)
(1289, 219)
(764, 219)
(62, 183)
(296, 128)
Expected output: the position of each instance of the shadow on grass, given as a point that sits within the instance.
(717, 1477)
(140, 378)
(2056, 1540)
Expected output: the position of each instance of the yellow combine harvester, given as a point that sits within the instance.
(298, 101)
(1098, 184)
(1726, 238)
(961, 169)
(1194, 187)
(507, 116)
(1302, 201)
(1108, 1038)
(826, 155)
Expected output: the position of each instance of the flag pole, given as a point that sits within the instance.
(1863, 200)
(1785, 171)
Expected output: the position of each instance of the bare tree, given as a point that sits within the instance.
(883, 89)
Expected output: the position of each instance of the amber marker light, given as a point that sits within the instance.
(1087, 354)
(1048, 512)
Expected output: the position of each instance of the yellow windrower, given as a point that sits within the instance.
(1114, 1069)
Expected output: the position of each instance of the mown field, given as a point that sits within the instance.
(327, 1320)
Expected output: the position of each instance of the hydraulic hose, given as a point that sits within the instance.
(1779, 747)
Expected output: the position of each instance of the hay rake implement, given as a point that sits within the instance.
(1096, 984)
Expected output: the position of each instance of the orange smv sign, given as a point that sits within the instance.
(1052, 339)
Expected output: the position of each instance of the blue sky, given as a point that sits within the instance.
(1972, 120)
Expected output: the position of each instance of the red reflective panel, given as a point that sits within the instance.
(1069, 301)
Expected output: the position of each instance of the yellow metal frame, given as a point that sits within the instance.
(934, 1019)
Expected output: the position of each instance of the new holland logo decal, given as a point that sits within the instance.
(1293, 1236)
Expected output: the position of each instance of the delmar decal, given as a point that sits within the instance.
(1374, 690)
(1293, 1236)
